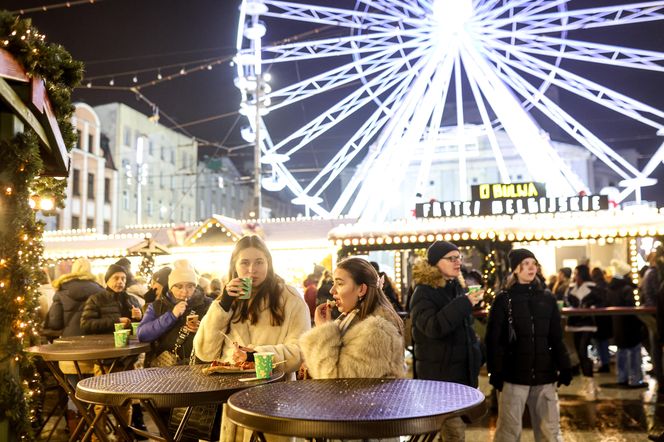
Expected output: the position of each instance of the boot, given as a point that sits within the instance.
(137, 420)
(589, 389)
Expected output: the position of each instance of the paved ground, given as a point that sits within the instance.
(618, 415)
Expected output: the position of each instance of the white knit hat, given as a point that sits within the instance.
(182, 272)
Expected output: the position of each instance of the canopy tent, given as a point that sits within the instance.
(59, 247)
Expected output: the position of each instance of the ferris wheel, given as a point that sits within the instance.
(363, 89)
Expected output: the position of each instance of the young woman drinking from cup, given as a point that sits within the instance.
(366, 340)
(270, 317)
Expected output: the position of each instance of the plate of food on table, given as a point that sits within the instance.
(230, 367)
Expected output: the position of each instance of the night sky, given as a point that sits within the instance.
(122, 39)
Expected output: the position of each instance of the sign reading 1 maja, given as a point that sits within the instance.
(511, 199)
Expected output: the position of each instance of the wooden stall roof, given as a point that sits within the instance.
(61, 246)
(26, 98)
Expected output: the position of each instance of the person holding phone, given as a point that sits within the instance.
(171, 321)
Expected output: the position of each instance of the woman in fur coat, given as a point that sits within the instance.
(366, 340)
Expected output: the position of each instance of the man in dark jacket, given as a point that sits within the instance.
(102, 310)
(446, 346)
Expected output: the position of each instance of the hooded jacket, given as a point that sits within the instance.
(538, 353)
(371, 348)
(446, 346)
(73, 289)
(160, 326)
(628, 330)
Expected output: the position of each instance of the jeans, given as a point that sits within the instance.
(542, 402)
(581, 342)
(629, 365)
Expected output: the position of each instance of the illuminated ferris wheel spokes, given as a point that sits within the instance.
(398, 66)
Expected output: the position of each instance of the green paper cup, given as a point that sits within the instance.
(561, 304)
(263, 363)
(119, 326)
(474, 288)
(121, 337)
(246, 289)
(134, 327)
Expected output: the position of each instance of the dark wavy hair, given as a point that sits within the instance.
(363, 273)
(269, 291)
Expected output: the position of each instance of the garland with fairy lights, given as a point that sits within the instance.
(21, 245)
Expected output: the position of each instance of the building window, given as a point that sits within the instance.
(125, 200)
(107, 190)
(90, 223)
(91, 142)
(79, 139)
(148, 205)
(127, 136)
(91, 186)
(161, 182)
(76, 183)
(172, 155)
(150, 147)
(163, 153)
(107, 227)
(75, 222)
(162, 210)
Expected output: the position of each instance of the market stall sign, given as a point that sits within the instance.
(511, 206)
(505, 191)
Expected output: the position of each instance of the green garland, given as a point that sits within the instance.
(21, 238)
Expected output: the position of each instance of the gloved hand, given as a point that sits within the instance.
(496, 380)
(564, 377)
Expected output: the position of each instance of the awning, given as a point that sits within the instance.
(59, 247)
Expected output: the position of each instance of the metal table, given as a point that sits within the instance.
(166, 387)
(94, 348)
(354, 408)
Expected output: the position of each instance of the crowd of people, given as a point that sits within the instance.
(348, 323)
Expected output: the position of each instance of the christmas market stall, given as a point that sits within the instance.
(562, 232)
(297, 244)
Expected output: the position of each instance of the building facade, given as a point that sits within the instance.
(91, 195)
(220, 190)
(157, 167)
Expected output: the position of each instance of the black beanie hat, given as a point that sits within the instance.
(124, 262)
(439, 249)
(161, 276)
(112, 269)
(518, 255)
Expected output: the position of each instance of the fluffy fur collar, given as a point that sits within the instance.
(425, 273)
(72, 276)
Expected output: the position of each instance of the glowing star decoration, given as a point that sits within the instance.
(393, 85)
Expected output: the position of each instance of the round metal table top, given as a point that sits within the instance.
(87, 350)
(354, 408)
(166, 387)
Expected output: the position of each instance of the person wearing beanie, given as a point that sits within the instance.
(446, 347)
(169, 321)
(106, 308)
(526, 356)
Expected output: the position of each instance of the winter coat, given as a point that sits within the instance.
(73, 289)
(628, 330)
(160, 326)
(586, 295)
(102, 310)
(371, 348)
(263, 336)
(446, 346)
(538, 353)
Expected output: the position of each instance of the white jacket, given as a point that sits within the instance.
(209, 342)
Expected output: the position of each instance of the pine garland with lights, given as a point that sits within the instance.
(21, 247)
(145, 269)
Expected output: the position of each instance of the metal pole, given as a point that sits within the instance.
(257, 149)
